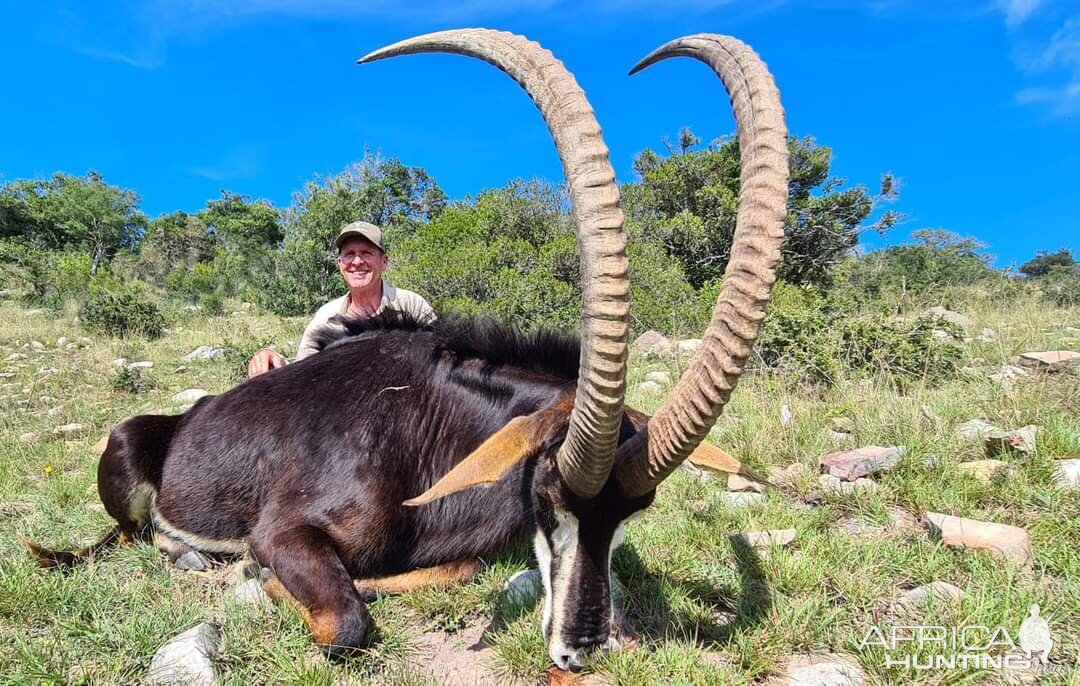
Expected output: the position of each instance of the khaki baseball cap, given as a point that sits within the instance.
(363, 230)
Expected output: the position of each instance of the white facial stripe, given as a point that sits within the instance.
(543, 561)
(565, 542)
(207, 545)
(616, 540)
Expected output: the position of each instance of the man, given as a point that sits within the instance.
(361, 261)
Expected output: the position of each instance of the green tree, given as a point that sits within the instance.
(173, 242)
(688, 202)
(1044, 262)
(66, 212)
(241, 224)
(938, 259)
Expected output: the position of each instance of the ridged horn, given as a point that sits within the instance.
(586, 456)
(699, 397)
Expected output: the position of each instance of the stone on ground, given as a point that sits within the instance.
(145, 364)
(192, 561)
(688, 346)
(1021, 440)
(844, 425)
(829, 669)
(68, 429)
(659, 377)
(1001, 540)
(786, 415)
(986, 471)
(764, 539)
(189, 396)
(839, 438)
(524, 587)
(832, 485)
(857, 527)
(738, 483)
(1050, 361)
(853, 464)
(651, 344)
(651, 387)
(947, 315)
(1067, 473)
(744, 499)
(204, 352)
(250, 593)
(186, 659)
(899, 518)
(935, 591)
(1007, 373)
(786, 475)
(27, 437)
(977, 429)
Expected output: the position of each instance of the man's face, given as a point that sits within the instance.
(361, 264)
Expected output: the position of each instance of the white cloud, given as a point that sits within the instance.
(1018, 11)
(238, 163)
(1061, 54)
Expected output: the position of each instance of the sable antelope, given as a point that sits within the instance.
(360, 461)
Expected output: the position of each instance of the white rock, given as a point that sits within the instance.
(821, 670)
(853, 464)
(977, 429)
(659, 377)
(1067, 473)
(119, 362)
(61, 342)
(948, 315)
(37, 345)
(1021, 440)
(985, 336)
(940, 335)
(141, 365)
(786, 415)
(251, 593)
(764, 539)
(15, 356)
(935, 591)
(831, 484)
(524, 587)
(189, 396)
(651, 343)
(204, 352)
(1007, 373)
(69, 429)
(47, 371)
(737, 483)
(689, 346)
(651, 387)
(186, 659)
(741, 499)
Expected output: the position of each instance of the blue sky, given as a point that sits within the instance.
(974, 106)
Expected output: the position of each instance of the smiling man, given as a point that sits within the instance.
(361, 260)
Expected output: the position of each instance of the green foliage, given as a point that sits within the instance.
(907, 354)
(938, 261)
(130, 380)
(688, 203)
(1061, 286)
(1045, 262)
(212, 304)
(173, 245)
(795, 336)
(122, 312)
(72, 212)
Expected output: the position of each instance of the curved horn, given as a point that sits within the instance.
(586, 455)
(699, 397)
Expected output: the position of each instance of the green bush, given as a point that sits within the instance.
(212, 304)
(1061, 286)
(795, 336)
(905, 353)
(122, 313)
(130, 380)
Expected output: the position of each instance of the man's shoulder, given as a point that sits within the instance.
(330, 309)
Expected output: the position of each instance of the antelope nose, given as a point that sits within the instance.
(570, 659)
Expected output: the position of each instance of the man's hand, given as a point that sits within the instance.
(263, 361)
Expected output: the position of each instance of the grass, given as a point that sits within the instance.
(709, 612)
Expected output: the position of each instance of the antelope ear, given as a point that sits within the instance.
(710, 457)
(519, 439)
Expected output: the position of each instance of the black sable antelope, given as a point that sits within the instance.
(360, 462)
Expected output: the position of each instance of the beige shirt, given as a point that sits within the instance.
(394, 298)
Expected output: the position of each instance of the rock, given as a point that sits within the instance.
(927, 413)
(688, 346)
(119, 362)
(85, 342)
(651, 343)
(204, 352)
(1050, 361)
(192, 561)
(68, 429)
(659, 377)
(786, 416)
(651, 387)
(1001, 540)
(1067, 473)
(986, 471)
(985, 336)
(744, 499)
(35, 312)
(940, 335)
(1007, 373)
(833, 485)
(185, 660)
(786, 475)
(141, 365)
(977, 429)
(737, 483)
(853, 464)
(844, 425)
(251, 594)
(857, 527)
(839, 438)
(47, 371)
(27, 437)
(935, 591)
(1021, 440)
(764, 539)
(15, 356)
(947, 315)
(189, 396)
(61, 342)
(820, 670)
(37, 345)
(899, 518)
(523, 588)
